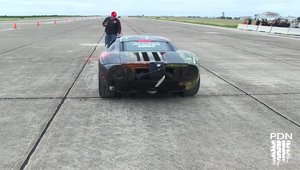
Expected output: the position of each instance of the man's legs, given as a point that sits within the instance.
(107, 40)
(113, 38)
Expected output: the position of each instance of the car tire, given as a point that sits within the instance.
(193, 91)
(103, 87)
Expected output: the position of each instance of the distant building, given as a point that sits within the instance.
(245, 17)
(267, 15)
(291, 18)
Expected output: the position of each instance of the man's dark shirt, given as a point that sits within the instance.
(113, 26)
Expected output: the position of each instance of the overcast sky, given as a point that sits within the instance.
(149, 7)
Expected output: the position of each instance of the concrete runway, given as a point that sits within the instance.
(52, 117)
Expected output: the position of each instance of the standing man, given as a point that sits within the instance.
(257, 22)
(112, 28)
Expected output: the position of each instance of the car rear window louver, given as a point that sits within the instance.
(148, 56)
(156, 56)
(138, 56)
(145, 56)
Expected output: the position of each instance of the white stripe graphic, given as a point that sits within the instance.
(160, 56)
(151, 57)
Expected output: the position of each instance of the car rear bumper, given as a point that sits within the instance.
(149, 78)
(143, 86)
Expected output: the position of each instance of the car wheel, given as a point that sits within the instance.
(193, 91)
(103, 87)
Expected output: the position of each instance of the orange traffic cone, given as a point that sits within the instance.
(38, 23)
(15, 26)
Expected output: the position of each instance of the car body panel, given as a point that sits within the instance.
(148, 71)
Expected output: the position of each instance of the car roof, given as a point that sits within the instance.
(143, 37)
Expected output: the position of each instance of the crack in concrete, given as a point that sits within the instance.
(97, 97)
(238, 88)
(29, 98)
(251, 95)
(57, 109)
(250, 52)
(25, 45)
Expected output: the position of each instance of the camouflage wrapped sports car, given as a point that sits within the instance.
(147, 64)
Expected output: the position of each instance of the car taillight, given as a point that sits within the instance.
(189, 73)
(118, 74)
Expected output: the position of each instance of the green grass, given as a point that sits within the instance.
(15, 18)
(229, 23)
(8, 19)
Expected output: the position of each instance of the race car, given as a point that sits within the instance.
(147, 64)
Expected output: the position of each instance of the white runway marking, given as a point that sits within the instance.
(7, 29)
(212, 32)
(10, 29)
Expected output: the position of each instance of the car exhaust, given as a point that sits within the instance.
(152, 91)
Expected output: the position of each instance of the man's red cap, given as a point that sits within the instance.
(114, 14)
